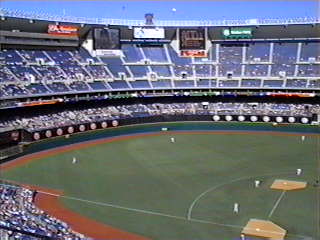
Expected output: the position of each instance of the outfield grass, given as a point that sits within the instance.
(157, 182)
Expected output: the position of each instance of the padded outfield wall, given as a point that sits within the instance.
(131, 127)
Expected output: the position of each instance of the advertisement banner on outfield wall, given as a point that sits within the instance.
(275, 120)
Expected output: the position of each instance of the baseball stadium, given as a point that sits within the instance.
(119, 129)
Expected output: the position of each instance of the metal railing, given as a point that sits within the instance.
(164, 23)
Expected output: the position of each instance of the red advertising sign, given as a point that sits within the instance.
(194, 53)
(63, 30)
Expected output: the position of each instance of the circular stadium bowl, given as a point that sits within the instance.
(48, 133)
(216, 118)
(291, 119)
(304, 120)
(228, 118)
(253, 118)
(70, 129)
(93, 126)
(279, 119)
(266, 118)
(115, 123)
(82, 128)
(241, 118)
(104, 124)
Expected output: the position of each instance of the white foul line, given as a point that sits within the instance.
(152, 212)
(276, 204)
(149, 212)
(159, 214)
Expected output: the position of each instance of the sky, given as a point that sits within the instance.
(164, 10)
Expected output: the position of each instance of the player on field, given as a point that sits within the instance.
(236, 208)
(74, 160)
(257, 183)
(299, 171)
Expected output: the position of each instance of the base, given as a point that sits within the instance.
(287, 185)
(264, 229)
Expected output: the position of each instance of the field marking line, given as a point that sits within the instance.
(276, 204)
(151, 212)
(158, 214)
(162, 214)
(51, 194)
(195, 201)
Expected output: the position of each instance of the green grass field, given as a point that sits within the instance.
(151, 187)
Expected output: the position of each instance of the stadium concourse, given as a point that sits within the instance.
(60, 76)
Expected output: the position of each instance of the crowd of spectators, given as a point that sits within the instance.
(27, 222)
(88, 115)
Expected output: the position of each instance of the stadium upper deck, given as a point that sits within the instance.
(43, 56)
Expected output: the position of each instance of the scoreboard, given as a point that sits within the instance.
(192, 39)
(106, 38)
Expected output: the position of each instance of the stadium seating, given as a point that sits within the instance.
(284, 59)
(17, 212)
(181, 65)
(61, 118)
(155, 54)
(28, 72)
(258, 52)
(161, 71)
(230, 59)
(310, 52)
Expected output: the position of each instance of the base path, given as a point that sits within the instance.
(51, 204)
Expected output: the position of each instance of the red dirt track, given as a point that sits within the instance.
(79, 223)
(48, 199)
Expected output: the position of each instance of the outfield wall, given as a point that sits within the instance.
(137, 128)
(83, 127)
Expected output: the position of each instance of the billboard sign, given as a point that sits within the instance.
(236, 33)
(63, 30)
(148, 32)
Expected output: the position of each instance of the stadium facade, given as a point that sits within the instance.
(63, 75)
(63, 62)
